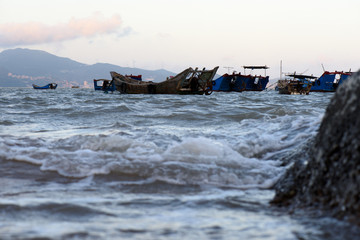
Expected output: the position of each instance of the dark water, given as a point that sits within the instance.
(80, 164)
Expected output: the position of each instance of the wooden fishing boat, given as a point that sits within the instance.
(189, 81)
(48, 86)
(297, 84)
(108, 85)
(329, 81)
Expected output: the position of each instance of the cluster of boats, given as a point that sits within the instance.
(303, 84)
(200, 81)
(189, 81)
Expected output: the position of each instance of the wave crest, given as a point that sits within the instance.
(192, 161)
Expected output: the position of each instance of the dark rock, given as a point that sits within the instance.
(329, 177)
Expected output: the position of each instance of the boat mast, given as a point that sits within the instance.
(280, 69)
(323, 67)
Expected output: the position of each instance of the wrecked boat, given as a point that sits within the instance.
(108, 85)
(189, 81)
(296, 84)
(329, 81)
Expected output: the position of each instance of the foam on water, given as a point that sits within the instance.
(282, 133)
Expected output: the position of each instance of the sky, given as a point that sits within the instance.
(177, 34)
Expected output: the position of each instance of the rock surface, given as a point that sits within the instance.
(328, 176)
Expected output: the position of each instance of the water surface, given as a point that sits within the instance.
(80, 164)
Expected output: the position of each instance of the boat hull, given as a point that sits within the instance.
(109, 85)
(329, 81)
(187, 82)
(238, 83)
(254, 83)
(228, 83)
(48, 86)
(291, 87)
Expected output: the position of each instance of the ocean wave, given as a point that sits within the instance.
(52, 210)
(192, 161)
(6, 123)
(227, 140)
(266, 139)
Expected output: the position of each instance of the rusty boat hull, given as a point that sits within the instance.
(189, 81)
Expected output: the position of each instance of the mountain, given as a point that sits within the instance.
(23, 67)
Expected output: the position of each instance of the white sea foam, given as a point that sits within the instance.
(268, 138)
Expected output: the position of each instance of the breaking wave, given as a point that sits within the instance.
(192, 161)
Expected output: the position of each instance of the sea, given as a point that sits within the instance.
(84, 164)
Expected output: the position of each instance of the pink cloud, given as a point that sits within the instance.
(13, 34)
(25, 77)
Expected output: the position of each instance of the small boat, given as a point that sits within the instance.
(75, 86)
(297, 84)
(329, 81)
(254, 82)
(189, 81)
(48, 86)
(108, 85)
(229, 83)
(241, 82)
(103, 85)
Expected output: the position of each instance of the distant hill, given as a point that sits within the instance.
(23, 67)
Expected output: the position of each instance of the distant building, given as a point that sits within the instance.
(86, 85)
